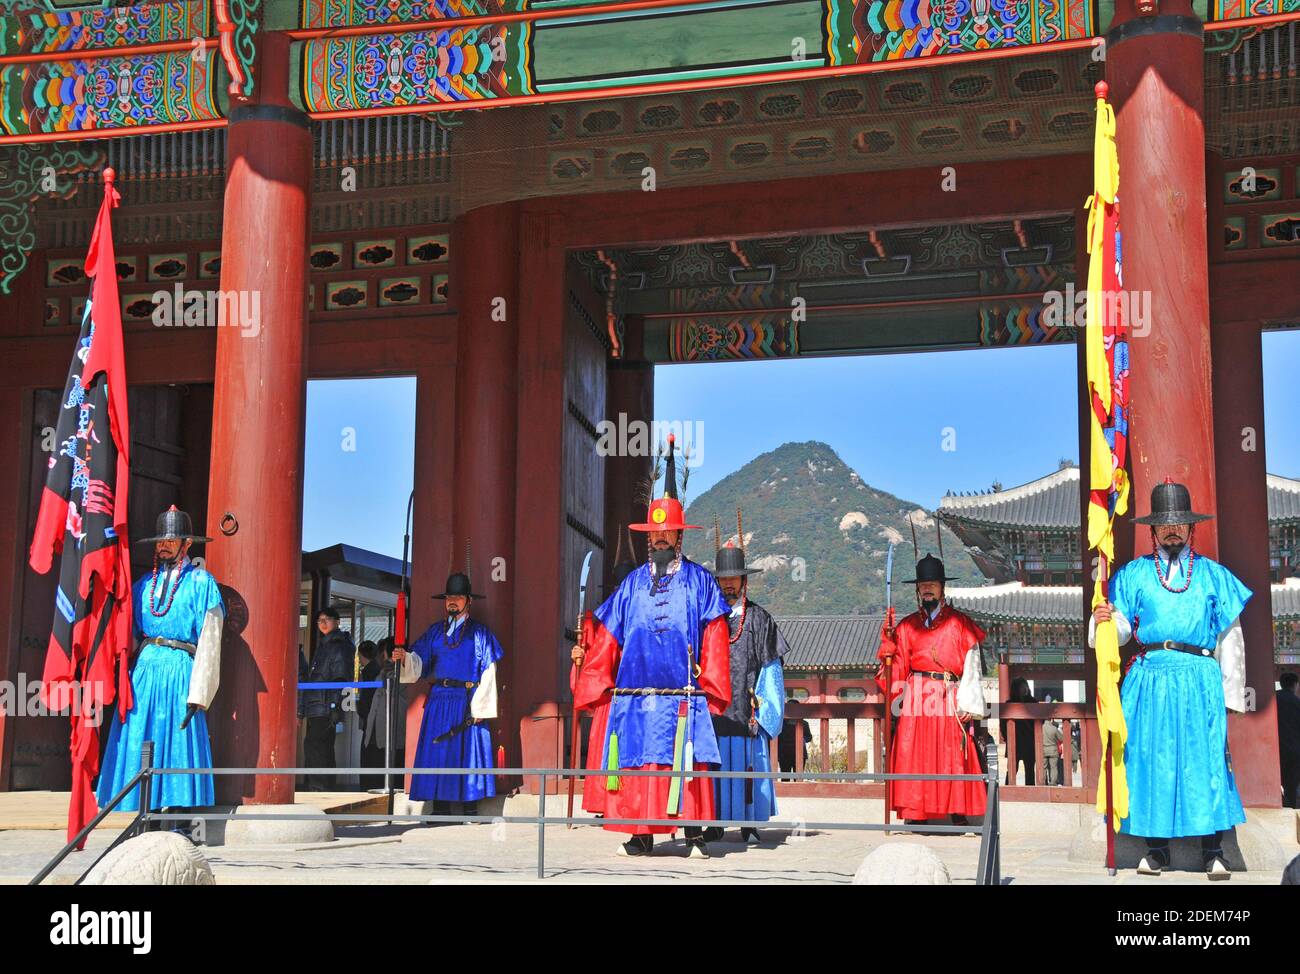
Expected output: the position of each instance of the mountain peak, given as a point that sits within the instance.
(819, 531)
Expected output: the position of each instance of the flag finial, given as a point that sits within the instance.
(110, 174)
(1102, 90)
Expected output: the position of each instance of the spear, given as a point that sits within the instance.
(574, 754)
(401, 625)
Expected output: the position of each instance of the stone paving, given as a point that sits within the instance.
(501, 853)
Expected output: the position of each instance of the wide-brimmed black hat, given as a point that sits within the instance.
(173, 525)
(930, 569)
(730, 563)
(1171, 503)
(458, 584)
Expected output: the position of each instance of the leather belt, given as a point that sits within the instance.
(653, 692)
(458, 684)
(171, 643)
(1179, 647)
(946, 677)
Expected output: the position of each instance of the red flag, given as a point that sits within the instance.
(83, 518)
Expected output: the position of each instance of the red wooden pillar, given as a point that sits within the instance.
(257, 434)
(540, 674)
(1156, 76)
(630, 392)
(1243, 547)
(1154, 66)
(486, 260)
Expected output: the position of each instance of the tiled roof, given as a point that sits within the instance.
(1286, 599)
(1048, 502)
(1053, 502)
(831, 642)
(1016, 601)
(1064, 603)
(1283, 498)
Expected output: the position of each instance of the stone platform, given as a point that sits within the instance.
(1036, 849)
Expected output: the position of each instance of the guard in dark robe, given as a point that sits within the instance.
(753, 718)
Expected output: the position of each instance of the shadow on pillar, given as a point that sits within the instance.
(236, 710)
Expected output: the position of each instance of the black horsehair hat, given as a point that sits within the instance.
(1171, 503)
(173, 525)
(930, 569)
(458, 584)
(730, 563)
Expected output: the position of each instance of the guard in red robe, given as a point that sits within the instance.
(934, 663)
(660, 658)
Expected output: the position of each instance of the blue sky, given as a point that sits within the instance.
(1012, 414)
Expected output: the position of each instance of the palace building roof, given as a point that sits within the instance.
(1048, 502)
(1016, 602)
(1053, 502)
(831, 642)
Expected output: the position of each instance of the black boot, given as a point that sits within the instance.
(638, 845)
(1216, 867)
(1157, 858)
(696, 847)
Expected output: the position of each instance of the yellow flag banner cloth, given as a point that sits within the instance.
(1108, 485)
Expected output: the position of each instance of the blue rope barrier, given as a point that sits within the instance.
(367, 685)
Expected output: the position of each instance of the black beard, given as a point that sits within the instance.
(929, 605)
(452, 615)
(1174, 549)
(731, 599)
(662, 558)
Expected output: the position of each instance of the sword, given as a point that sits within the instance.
(574, 754)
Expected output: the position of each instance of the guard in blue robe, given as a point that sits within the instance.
(1182, 608)
(178, 615)
(753, 718)
(459, 656)
(658, 657)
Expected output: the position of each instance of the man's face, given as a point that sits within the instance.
(326, 624)
(664, 540)
(930, 593)
(1173, 537)
(732, 588)
(456, 605)
(170, 549)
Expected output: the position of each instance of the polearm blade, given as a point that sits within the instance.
(574, 754)
(889, 578)
(582, 584)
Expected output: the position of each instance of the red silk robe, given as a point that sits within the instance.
(593, 786)
(928, 738)
(645, 650)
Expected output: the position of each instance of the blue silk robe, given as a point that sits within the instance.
(1179, 773)
(160, 681)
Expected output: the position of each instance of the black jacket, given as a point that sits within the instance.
(331, 663)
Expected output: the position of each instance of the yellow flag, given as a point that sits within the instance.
(1106, 477)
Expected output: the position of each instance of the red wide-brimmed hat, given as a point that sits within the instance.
(666, 514)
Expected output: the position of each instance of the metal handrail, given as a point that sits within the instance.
(136, 827)
(988, 871)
